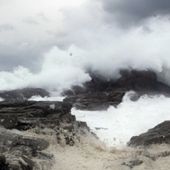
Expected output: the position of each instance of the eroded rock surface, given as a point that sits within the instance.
(158, 135)
(22, 94)
(100, 93)
(19, 152)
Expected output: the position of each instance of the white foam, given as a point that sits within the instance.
(39, 98)
(116, 126)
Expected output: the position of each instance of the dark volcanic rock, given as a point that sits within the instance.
(142, 82)
(158, 135)
(22, 94)
(131, 164)
(29, 114)
(3, 163)
(100, 93)
(19, 152)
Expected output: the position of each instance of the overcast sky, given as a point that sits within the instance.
(28, 29)
(134, 11)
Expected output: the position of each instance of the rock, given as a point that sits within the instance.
(28, 114)
(8, 121)
(3, 164)
(158, 135)
(23, 94)
(20, 152)
(99, 93)
(34, 144)
(131, 164)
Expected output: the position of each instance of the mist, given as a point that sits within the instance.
(116, 126)
(81, 40)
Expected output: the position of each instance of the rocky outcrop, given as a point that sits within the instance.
(100, 93)
(22, 94)
(28, 114)
(21, 152)
(18, 152)
(158, 135)
(132, 163)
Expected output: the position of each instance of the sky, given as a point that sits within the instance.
(66, 39)
(28, 29)
(131, 12)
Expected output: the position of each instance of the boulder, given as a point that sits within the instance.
(157, 135)
(20, 152)
(100, 93)
(23, 94)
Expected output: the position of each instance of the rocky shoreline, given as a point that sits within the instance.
(18, 117)
(99, 93)
(19, 151)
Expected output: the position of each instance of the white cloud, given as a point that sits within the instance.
(44, 38)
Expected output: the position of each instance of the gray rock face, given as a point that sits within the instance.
(28, 114)
(22, 94)
(19, 152)
(100, 93)
(131, 164)
(158, 135)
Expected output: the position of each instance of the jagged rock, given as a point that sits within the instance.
(100, 93)
(28, 114)
(3, 164)
(23, 94)
(158, 135)
(20, 152)
(131, 164)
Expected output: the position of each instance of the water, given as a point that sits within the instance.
(115, 126)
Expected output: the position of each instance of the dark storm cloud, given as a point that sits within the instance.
(10, 58)
(9, 62)
(38, 31)
(29, 56)
(134, 11)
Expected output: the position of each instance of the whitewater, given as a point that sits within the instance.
(116, 125)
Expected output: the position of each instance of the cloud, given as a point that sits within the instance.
(6, 27)
(30, 20)
(44, 37)
(18, 55)
(24, 32)
(128, 12)
(105, 53)
(30, 29)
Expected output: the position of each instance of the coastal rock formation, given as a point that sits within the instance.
(28, 114)
(21, 152)
(158, 135)
(19, 117)
(18, 152)
(22, 94)
(100, 93)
